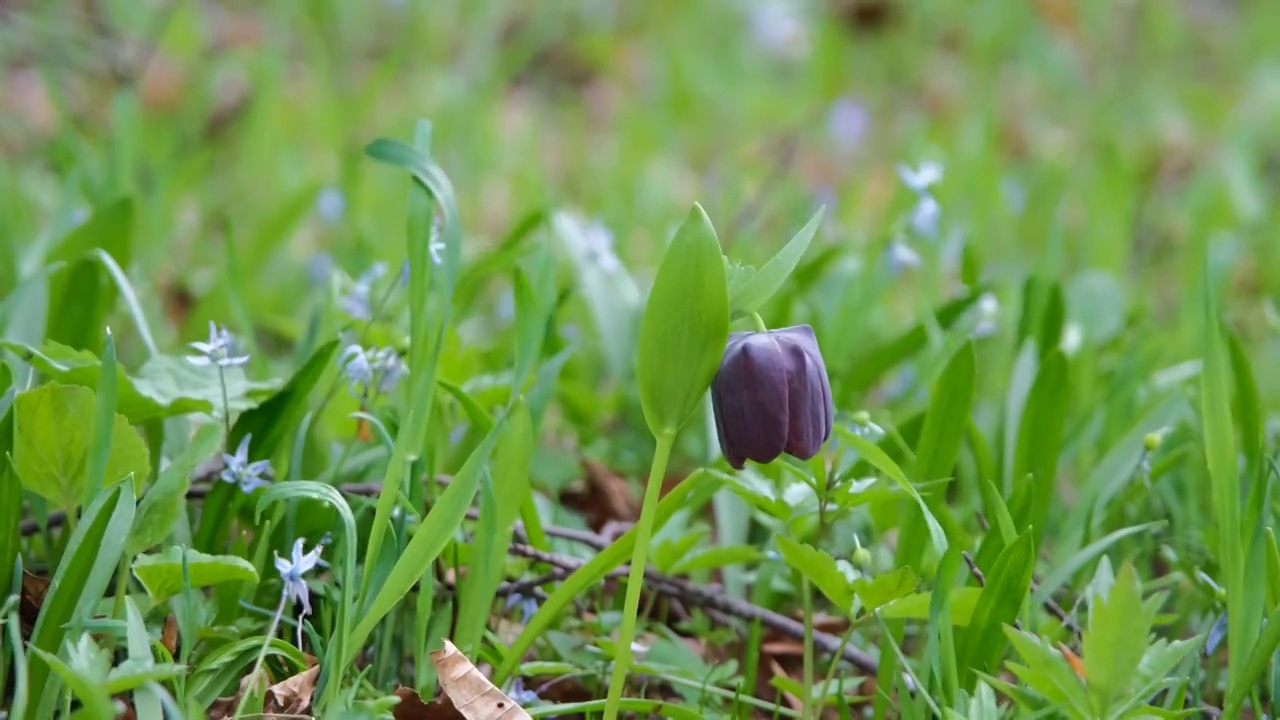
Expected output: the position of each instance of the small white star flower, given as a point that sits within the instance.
(219, 350)
(922, 178)
(292, 570)
(238, 470)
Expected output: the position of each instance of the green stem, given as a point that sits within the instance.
(226, 406)
(635, 580)
(760, 326)
(806, 595)
(266, 645)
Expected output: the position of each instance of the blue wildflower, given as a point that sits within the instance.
(292, 570)
(237, 469)
(219, 350)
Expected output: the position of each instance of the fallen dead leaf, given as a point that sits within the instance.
(292, 696)
(602, 497)
(411, 707)
(471, 692)
(169, 635)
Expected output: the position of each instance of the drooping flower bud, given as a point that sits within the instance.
(771, 395)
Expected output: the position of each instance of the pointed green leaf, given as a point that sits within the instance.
(1115, 640)
(758, 287)
(885, 588)
(878, 458)
(685, 326)
(983, 642)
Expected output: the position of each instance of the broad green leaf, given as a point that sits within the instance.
(534, 298)
(691, 492)
(756, 290)
(873, 454)
(685, 326)
(80, 367)
(161, 573)
(162, 504)
(916, 606)
(941, 646)
(821, 570)
(982, 643)
(1273, 566)
(53, 425)
(885, 588)
(93, 554)
(510, 486)
(716, 557)
(1116, 640)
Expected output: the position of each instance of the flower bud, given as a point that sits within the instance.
(771, 395)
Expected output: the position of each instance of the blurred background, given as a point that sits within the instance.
(1113, 144)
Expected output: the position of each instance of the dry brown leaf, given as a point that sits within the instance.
(292, 696)
(603, 497)
(777, 669)
(471, 692)
(169, 635)
(411, 707)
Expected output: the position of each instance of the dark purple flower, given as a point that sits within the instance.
(771, 395)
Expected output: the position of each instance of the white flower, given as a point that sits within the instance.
(922, 178)
(779, 27)
(1072, 338)
(219, 350)
(364, 369)
(599, 246)
(291, 571)
(988, 307)
(902, 256)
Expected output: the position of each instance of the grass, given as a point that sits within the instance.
(1048, 489)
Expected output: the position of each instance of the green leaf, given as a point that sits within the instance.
(498, 512)
(916, 606)
(885, 588)
(877, 457)
(1062, 574)
(821, 570)
(162, 504)
(945, 425)
(1039, 444)
(868, 366)
(534, 298)
(161, 573)
(94, 698)
(982, 643)
(53, 425)
(756, 290)
(1224, 481)
(10, 506)
(428, 541)
(685, 326)
(223, 668)
(1048, 673)
(276, 419)
(691, 492)
(1116, 640)
(93, 554)
(81, 296)
(103, 421)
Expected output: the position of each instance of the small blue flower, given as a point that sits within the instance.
(357, 302)
(291, 571)
(599, 244)
(331, 205)
(238, 470)
(219, 350)
(527, 604)
(319, 267)
(522, 696)
(924, 217)
(365, 369)
(847, 123)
